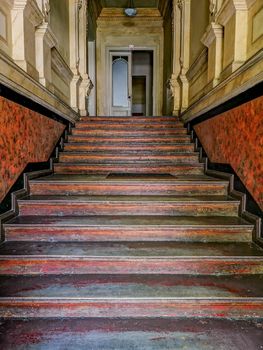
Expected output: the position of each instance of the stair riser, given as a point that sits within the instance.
(112, 208)
(67, 308)
(79, 158)
(61, 168)
(125, 132)
(127, 189)
(80, 265)
(129, 149)
(129, 142)
(127, 234)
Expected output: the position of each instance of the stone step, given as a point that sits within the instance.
(238, 308)
(30, 263)
(133, 148)
(159, 291)
(129, 133)
(130, 185)
(137, 125)
(62, 205)
(132, 286)
(133, 119)
(95, 157)
(129, 141)
(139, 167)
(128, 228)
(134, 333)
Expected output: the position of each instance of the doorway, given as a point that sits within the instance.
(131, 83)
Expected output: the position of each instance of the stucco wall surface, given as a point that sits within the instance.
(25, 137)
(236, 138)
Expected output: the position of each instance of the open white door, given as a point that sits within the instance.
(121, 83)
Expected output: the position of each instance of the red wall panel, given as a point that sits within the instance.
(236, 138)
(25, 136)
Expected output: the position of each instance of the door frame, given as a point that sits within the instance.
(129, 108)
(123, 49)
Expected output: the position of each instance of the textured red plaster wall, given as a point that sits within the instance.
(25, 136)
(236, 138)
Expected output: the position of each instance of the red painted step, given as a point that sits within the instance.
(112, 139)
(136, 168)
(238, 308)
(128, 125)
(129, 229)
(93, 157)
(128, 205)
(149, 185)
(129, 133)
(134, 119)
(128, 148)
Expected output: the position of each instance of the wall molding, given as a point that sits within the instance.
(197, 66)
(28, 87)
(196, 110)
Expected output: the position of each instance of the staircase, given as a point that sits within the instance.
(130, 245)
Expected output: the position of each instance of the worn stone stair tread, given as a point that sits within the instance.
(70, 199)
(127, 152)
(130, 249)
(132, 163)
(132, 286)
(133, 334)
(128, 178)
(128, 221)
(129, 140)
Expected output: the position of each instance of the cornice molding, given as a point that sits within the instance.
(193, 111)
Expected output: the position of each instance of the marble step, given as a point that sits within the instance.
(130, 148)
(94, 157)
(132, 125)
(62, 205)
(142, 295)
(125, 258)
(133, 334)
(133, 140)
(138, 167)
(57, 184)
(133, 119)
(130, 133)
(128, 228)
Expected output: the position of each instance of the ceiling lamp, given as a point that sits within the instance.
(130, 11)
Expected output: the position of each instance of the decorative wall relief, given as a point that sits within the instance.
(236, 138)
(25, 137)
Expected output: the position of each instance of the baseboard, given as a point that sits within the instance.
(249, 209)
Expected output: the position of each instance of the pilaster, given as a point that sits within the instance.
(213, 40)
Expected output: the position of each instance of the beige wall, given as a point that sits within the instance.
(59, 22)
(198, 24)
(36, 41)
(223, 55)
(116, 30)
